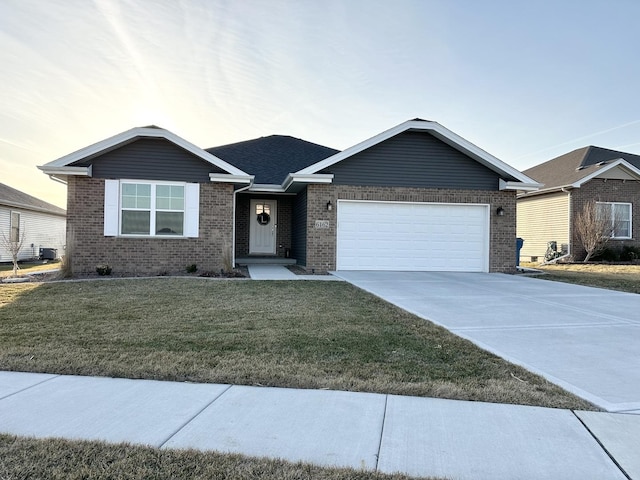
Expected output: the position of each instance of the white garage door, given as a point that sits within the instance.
(412, 236)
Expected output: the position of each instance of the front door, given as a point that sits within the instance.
(263, 226)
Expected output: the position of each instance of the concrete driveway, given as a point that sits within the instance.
(585, 339)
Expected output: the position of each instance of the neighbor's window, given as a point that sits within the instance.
(152, 209)
(620, 217)
(14, 235)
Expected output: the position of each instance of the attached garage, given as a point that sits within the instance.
(409, 236)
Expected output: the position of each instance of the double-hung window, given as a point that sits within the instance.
(619, 214)
(151, 209)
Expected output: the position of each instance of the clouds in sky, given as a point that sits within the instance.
(525, 81)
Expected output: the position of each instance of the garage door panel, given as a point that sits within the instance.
(412, 236)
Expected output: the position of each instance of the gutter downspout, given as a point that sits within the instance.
(55, 179)
(570, 222)
(233, 233)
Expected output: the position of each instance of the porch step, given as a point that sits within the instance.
(265, 261)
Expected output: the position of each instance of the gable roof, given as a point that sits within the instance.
(579, 166)
(62, 166)
(513, 179)
(11, 197)
(272, 158)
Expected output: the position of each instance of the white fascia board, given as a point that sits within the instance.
(228, 178)
(618, 163)
(527, 187)
(73, 171)
(307, 178)
(438, 131)
(266, 188)
(142, 132)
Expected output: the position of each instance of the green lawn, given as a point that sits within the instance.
(288, 334)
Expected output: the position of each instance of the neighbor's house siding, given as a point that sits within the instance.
(608, 190)
(413, 159)
(40, 230)
(542, 219)
(321, 242)
(150, 159)
(89, 247)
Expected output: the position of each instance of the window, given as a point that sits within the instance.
(152, 209)
(14, 235)
(620, 217)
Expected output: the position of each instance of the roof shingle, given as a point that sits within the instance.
(15, 198)
(271, 158)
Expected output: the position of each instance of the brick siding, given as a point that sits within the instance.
(608, 190)
(321, 243)
(145, 256)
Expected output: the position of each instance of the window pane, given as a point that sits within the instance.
(163, 191)
(128, 202)
(135, 223)
(622, 212)
(163, 203)
(169, 223)
(129, 189)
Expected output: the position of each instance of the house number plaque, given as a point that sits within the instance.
(322, 223)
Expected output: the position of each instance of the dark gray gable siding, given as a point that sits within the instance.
(299, 228)
(151, 159)
(413, 159)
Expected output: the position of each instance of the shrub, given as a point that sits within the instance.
(629, 253)
(103, 269)
(191, 268)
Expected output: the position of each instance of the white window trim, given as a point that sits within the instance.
(113, 209)
(612, 204)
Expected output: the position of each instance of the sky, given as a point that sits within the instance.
(524, 80)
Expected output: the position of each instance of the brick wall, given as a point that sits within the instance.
(608, 190)
(145, 256)
(321, 243)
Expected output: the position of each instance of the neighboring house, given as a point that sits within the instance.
(608, 177)
(41, 224)
(415, 197)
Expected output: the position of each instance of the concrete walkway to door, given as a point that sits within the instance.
(587, 340)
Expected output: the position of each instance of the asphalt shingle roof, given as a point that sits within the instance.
(271, 158)
(15, 198)
(576, 165)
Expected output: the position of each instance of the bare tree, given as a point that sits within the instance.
(13, 244)
(594, 227)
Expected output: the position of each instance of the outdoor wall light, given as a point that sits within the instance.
(500, 212)
(329, 206)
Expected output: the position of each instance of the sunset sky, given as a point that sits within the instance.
(524, 80)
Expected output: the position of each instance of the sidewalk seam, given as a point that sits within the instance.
(30, 386)
(187, 422)
(602, 446)
(384, 419)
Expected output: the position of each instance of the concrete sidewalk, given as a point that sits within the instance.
(387, 433)
(280, 272)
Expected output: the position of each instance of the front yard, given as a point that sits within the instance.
(625, 278)
(288, 334)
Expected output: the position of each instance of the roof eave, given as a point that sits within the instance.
(32, 208)
(67, 171)
(522, 186)
(228, 178)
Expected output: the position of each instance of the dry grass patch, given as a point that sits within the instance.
(287, 334)
(22, 458)
(624, 278)
(6, 270)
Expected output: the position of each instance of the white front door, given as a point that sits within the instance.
(263, 226)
